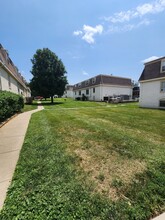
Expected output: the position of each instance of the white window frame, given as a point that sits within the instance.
(93, 80)
(162, 86)
(9, 81)
(162, 66)
(87, 82)
(161, 103)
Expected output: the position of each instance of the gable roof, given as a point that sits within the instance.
(9, 66)
(103, 79)
(152, 70)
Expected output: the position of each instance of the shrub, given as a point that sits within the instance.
(10, 103)
(78, 98)
(84, 98)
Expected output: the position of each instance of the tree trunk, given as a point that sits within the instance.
(52, 99)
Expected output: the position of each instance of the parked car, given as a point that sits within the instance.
(116, 99)
(38, 98)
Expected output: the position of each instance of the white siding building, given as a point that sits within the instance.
(152, 84)
(100, 86)
(68, 91)
(10, 78)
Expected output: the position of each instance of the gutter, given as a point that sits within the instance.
(151, 80)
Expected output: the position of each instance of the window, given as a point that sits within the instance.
(163, 66)
(75, 93)
(162, 86)
(87, 82)
(80, 92)
(18, 88)
(9, 82)
(79, 85)
(162, 103)
(93, 90)
(87, 92)
(93, 80)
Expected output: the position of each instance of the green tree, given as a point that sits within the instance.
(48, 74)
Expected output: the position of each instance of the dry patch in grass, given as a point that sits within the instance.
(105, 169)
(101, 164)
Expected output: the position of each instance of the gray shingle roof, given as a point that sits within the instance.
(152, 70)
(103, 79)
(7, 63)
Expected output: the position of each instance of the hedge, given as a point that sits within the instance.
(10, 103)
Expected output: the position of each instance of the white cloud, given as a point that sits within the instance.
(151, 8)
(77, 33)
(144, 9)
(144, 22)
(89, 32)
(123, 21)
(150, 59)
(127, 27)
(85, 73)
(120, 17)
(141, 10)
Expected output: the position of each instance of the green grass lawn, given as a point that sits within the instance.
(70, 103)
(87, 160)
(29, 107)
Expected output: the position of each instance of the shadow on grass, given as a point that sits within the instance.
(48, 103)
(54, 103)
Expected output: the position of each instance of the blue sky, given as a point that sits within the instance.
(91, 37)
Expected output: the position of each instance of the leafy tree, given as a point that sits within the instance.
(48, 74)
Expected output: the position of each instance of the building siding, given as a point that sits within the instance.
(4, 80)
(116, 91)
(103, 90)
(14, 87)
(150, 84)
(10, 78)
(105, 85)
(150, 94)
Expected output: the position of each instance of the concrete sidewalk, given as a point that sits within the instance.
(12, 136)
(160, 217)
